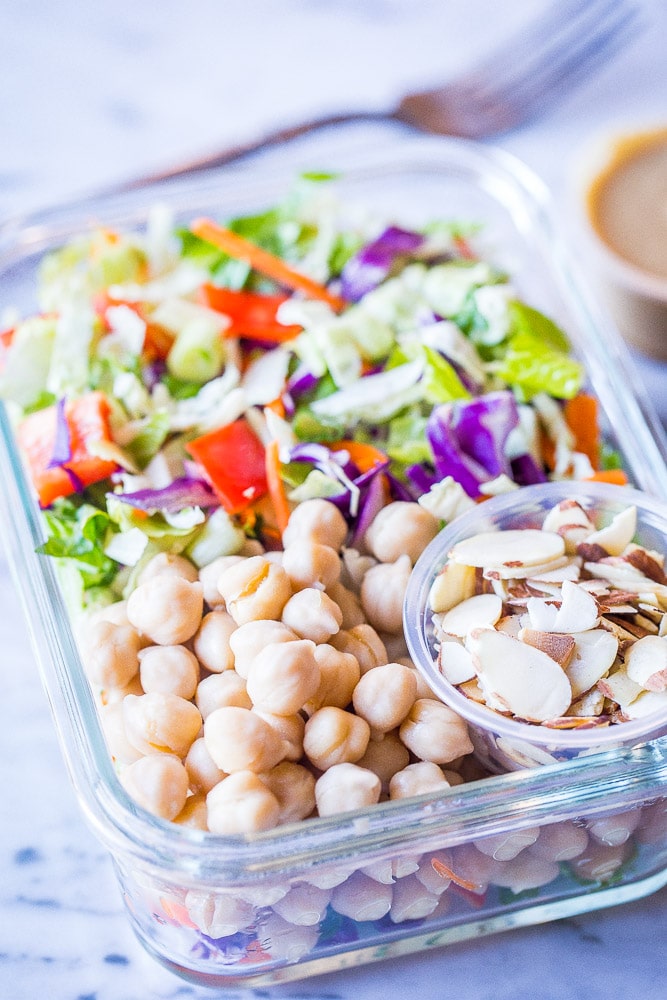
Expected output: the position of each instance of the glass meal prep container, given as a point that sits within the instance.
(328, 893)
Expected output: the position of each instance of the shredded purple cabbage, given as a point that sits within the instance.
(526, 471)
(181, 493)
(468, 439)
(62, 442)
(301, 381)
(373, 263)
(371, 503)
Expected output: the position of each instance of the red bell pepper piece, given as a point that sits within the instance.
(87, 421)
(234, 461)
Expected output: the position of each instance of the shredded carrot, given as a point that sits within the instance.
(614, 476)
(275, 484)
(276, 406)
(446, 872)
(364, 456)
(581, 416)
(263, 261)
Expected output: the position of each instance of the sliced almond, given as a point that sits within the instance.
(620, 688)
(525, 679)
(511, 624)
(456, 663)
(591, 703)
(577, 612)
(646, 663)
(569, 519)
(570, 570)
(647, 703)
(514, 571)
(509, 549)
(453, 584)
(645, 562)
(475, 612)
(558, 646)
(594, 655)
(618, 534)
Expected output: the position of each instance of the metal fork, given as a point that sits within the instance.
(518, 82)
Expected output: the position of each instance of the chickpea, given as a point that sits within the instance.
(290, 728)
(203, 772)
(339, 675)
(250, 639)
(218, 690)
(432, 731)
(240, 740)
(396, 646)
(111, 658)
(385, 695)
(167, 608)
(365, 645)
(383, 592)
(218, 914)
(615, 829)
(417, 779)
(113, 696)
(287, 942)
(209, 576)
(251, 547)
(170, 669)
(193, 814)
(423, 688)
(309, 564)
(344, 787)
(411, 900)
(158, 783)
(526, 872)
(241, 803)
(115, 613)
(333, 736)
(161, 722)
(361, 898)
(507, 846)
(318, 521)
(169, 562)
(113, 725)
(385, 758)
(303, 905)
(349, 604)
(254, 589)
(355, 567)
(560, 842)
(283, 677)
(401, 528)
(211, 641)
(294, 787)
(600, 861)
(312, 615)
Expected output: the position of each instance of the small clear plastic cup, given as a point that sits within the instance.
(502, 742)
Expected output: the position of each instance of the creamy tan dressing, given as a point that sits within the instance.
(627, 202)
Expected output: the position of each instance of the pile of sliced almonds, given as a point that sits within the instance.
(565, 626)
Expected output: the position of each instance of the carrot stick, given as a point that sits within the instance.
(364, 456)
(615, 476)
(263, 261)
(275, 484)
(581, 416)
(447, 872)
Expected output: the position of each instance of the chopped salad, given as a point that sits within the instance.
(181, 390)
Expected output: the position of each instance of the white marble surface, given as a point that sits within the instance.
(92, 94)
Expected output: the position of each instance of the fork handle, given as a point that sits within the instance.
(241, 150)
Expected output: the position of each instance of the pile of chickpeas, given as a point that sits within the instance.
(269, 687)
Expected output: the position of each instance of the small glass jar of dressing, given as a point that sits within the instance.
(625, 202)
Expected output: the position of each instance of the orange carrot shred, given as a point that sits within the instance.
(275, 484)
(446, 872)
(614, 476)
(581, 416)
(263, 261)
